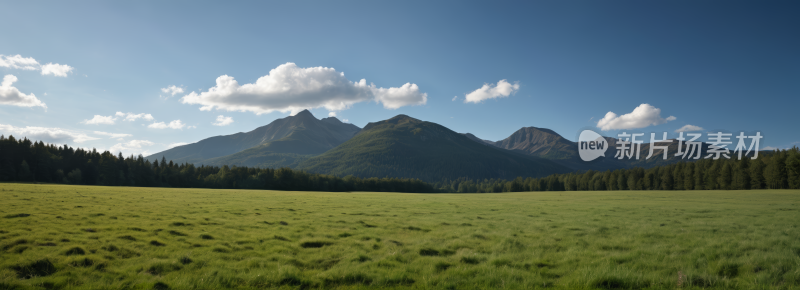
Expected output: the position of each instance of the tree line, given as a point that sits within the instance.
(779, 169)
(27, 161)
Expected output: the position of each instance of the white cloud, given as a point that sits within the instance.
(131, 147)
(223, 121)
(176, 144)
(177, 124)
(49, 135)
(689, 128)
(191, 127)
(345, 121)
(59, 70)
(289, 88)
(111, 120)
(642, 116)
(100, 120)
(130, 117)
(454, 98)
(393, 98)
(12, 96)
(787, 147)
(18, 62)
(488, 91)
(113, 135)
(29, 63)
(331, 114)
(172, 90)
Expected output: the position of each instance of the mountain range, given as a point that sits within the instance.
(402, 147)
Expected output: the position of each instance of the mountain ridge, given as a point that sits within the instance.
(330, 133)
(406, 147)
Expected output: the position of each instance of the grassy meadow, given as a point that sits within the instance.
(92, 237)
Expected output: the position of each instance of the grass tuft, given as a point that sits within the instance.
(729, 270)
(315, 244)
(75, 251)
(441, 266)
(19, 215)
(127, 237)
(428, 252)
(38, 268)
(470, 260)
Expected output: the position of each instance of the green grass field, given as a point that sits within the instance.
(91, 237)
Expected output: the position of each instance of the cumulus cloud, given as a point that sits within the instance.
(393, 98)
(10, 95)
(176, 144)
(289, 88)
(642, 116)
(131, 147)
(177, 124)
(223, 121)
(489, 91)
(113, 135)
(100, 120)
(29, 63)
(18, 62)
(331, 114)
(454, 98)
(172, 90)
(59, 70)
(689, 128)
(130, 117)
(49, 135)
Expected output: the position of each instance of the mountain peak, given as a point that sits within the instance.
(305, 113)
(533, 129)
(332, 120)
(402, 119)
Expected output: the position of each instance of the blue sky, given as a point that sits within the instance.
(718, 65)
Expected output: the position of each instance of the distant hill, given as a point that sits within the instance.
(476, 139)
(547, 144)
(279, 142)
(539, 142)
(406, 147)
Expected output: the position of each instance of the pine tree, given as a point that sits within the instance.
(741, 174)
(25, 172)
(622, 182)
(667, 181)
(75, 176)
(7, 171)
(677, 175)
(649, 180)
(775, 174)
(793, 170)
(699, 177)
(725, 176)
(712, 174)
(688, 176)
(757, 180)
(632, 180)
